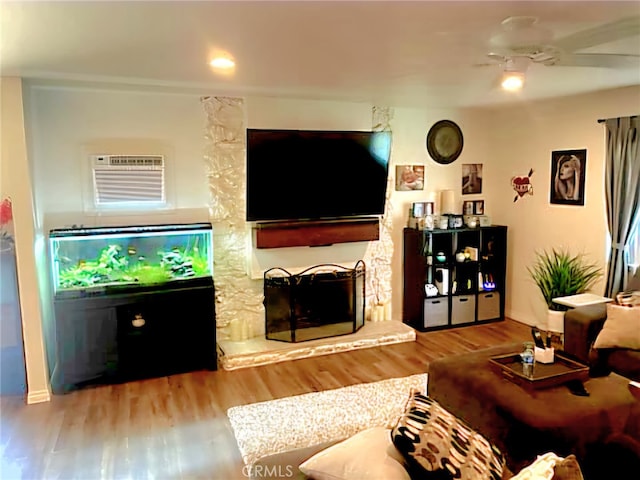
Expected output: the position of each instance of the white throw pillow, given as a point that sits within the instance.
(621, 329)
(540, 469)
(369, 454)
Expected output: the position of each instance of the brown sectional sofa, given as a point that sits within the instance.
(581, 327)
(602, 430)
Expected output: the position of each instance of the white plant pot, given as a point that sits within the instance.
(555, 321)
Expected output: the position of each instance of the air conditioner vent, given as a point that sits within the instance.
(130, 160)
(128, 179)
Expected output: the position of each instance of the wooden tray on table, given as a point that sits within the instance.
(545, 375)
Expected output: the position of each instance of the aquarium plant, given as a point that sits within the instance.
(112, 267)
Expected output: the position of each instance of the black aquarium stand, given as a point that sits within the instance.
(122, 334)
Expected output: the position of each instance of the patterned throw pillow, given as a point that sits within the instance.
(437, 445)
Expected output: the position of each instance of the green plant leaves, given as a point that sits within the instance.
(559, 274)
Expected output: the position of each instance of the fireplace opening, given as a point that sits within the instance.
(322, 301)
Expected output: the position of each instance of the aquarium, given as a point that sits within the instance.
(114, 258)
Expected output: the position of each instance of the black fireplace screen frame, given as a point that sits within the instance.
(322, 301)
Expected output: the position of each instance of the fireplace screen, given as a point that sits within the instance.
(322, 301)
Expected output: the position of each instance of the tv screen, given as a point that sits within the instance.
(311, 175)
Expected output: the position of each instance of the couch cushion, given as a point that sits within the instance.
(550, 466)
(634, 281)
(436, 444)
(625, 362)
(285, 464)
(368, 454)
(621, 329)
(581, 327)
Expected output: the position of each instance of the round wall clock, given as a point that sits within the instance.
(444, 141)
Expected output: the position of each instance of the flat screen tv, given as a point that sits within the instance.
(314, 175)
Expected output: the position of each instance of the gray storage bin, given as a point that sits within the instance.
(436, 312)
(463, 309)
(488, 306)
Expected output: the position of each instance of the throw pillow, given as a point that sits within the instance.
(368, 454)
(437, 445)
(621, 329)
(634, 281)
(551, 467)
(568, 469)
(540, 469)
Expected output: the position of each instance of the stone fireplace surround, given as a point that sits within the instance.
(328, 303)
(257, 351)
(238, 293)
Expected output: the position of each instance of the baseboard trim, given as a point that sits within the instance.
(38, 396)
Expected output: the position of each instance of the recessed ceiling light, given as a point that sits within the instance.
(223, 63)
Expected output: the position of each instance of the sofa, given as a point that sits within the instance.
(582, 326)
(620, 445)
(607, 338)
(286, 465)
(406, 451)
(612, 346)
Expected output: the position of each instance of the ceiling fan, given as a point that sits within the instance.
(521, 42)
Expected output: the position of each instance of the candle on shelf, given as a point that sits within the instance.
(374, 314)
(235, 330)
(447, 204)
(246, 331)
(387, 310)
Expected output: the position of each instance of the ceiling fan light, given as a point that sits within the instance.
(223, 63)
(512, 81)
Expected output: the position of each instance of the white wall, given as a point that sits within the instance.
(69, 124)
(65, 123)
(523, 137)
(410, 127)
(15, 182)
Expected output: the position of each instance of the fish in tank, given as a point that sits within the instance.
(86, 258)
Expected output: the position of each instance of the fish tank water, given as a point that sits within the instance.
(105, 258)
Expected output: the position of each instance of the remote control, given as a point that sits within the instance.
(577, 388)
(537, 337)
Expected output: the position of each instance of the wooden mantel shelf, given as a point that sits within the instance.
(316, 233)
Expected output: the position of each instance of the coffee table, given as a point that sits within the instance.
(525, 423)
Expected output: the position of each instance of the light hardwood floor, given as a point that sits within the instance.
(176, 427)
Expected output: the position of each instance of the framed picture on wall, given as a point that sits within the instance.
(468, 207)
(568, 169)
(471, 178)
(478, 207)
(409, 177)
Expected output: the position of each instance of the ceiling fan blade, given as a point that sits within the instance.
(609, 32)
(601, 60)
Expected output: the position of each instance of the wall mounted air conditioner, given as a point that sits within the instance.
(128, 179)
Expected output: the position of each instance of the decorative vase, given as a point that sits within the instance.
(555, 321)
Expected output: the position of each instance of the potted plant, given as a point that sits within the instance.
(557, 273)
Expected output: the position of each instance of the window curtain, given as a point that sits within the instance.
(622, 190)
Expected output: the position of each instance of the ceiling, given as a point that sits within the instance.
(418, 53)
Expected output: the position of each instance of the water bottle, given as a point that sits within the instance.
(528, 359)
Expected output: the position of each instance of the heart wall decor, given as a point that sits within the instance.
(522, 185)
